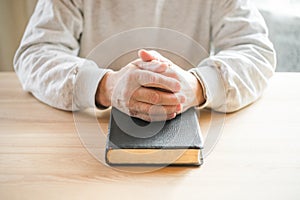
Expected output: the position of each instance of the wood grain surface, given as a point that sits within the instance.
(257, 156)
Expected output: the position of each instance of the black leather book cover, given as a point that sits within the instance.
(182, 132)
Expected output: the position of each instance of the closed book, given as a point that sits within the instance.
(132, 141)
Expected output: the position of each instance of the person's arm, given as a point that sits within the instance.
(47, 61)
(244, 57)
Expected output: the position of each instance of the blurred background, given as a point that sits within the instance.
(14, 15)
(281, 16)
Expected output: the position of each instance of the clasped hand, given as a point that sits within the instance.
(151, 88)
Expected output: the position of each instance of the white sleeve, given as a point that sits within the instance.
(244, 59)
(47, 61)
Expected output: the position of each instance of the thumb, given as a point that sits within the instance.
(146, 56)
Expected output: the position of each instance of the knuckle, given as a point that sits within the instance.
(152, 79)
(133, 113)
(139, 77)
(140, 107)
(145, 108)
(154, 97)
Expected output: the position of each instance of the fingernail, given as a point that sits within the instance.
(140, 52)
(171, 116)
(182, 99)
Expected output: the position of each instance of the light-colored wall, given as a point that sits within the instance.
(14, 15)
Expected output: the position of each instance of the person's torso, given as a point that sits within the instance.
(122, 23)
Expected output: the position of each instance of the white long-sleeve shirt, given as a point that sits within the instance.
(53, 61)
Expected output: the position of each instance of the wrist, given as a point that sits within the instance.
(198, 91)
(103, 94)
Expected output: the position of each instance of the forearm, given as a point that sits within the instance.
(47, 61)
(244, 57)
(58, 78)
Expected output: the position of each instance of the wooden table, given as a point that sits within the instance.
(256, 157)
